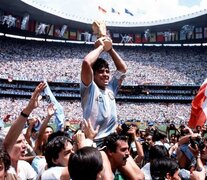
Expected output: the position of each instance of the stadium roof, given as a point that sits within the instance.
(19, 8)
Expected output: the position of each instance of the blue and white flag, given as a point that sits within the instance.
(128, 12)
(59, 112)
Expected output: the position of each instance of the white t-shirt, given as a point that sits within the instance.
(146, 170)
(53, 173)
(25, 171)
(39, 164)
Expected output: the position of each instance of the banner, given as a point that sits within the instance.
(182, 36)
(160, 37)
(138, 38)
(51, 30)
(152, 37)
(199, 107)
(174, 36)
(205, 32)
(32, 26)
(59, 112)
(73, 35)
(198, 33)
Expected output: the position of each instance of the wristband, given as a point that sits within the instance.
(24, 115)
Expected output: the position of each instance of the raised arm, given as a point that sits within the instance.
(18, 125)
(89, 60)
(118, 61)
(39, 141)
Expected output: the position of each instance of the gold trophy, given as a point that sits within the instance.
(99, 29)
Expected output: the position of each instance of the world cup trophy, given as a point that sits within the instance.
(99, 29)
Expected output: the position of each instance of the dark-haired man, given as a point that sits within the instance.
(117, 151)
(98, 89)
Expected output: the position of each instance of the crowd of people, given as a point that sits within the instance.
(103, 146)
(128, 153)
(21, 59)
(143, 112)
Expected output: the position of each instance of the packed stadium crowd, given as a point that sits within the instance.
(61, 62)
(142, 112)
(35, 148)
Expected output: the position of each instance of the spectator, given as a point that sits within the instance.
(164, 169)
(14, 141)
(117, 150)
(85, 163)
(57, 154)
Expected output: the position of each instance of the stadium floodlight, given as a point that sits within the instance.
(36, 39)
(192, 44)
(14, 36)
(55, 40)
(172, 45)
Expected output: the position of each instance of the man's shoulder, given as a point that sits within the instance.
(52, 173)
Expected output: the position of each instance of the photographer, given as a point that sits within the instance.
(172, 129)
(146, 145)
(187, 146)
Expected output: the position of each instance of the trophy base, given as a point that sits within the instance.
(106, 42)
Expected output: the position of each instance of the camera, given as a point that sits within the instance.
(198, 141)
(172, 127)
(125, 128)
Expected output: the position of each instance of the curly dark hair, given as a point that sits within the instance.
(100, 63)
(110, 142)
(5, 158)
(53, 147)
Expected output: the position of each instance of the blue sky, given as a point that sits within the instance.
(142, 10)
(189, 3)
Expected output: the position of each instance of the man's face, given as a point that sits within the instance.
(121, 154)
(148, 139)
(64, 155)
(19, 148)
(101, 77)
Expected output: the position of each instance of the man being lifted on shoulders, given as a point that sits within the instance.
(98, 89)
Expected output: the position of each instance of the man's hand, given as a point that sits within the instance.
(35, 98)
(88, 130)
(106, 42)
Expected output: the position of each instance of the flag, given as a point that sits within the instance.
(199, 107)
(114, 11)
(59, 112)
(128, 12)
(72, 35)
(102, 9)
